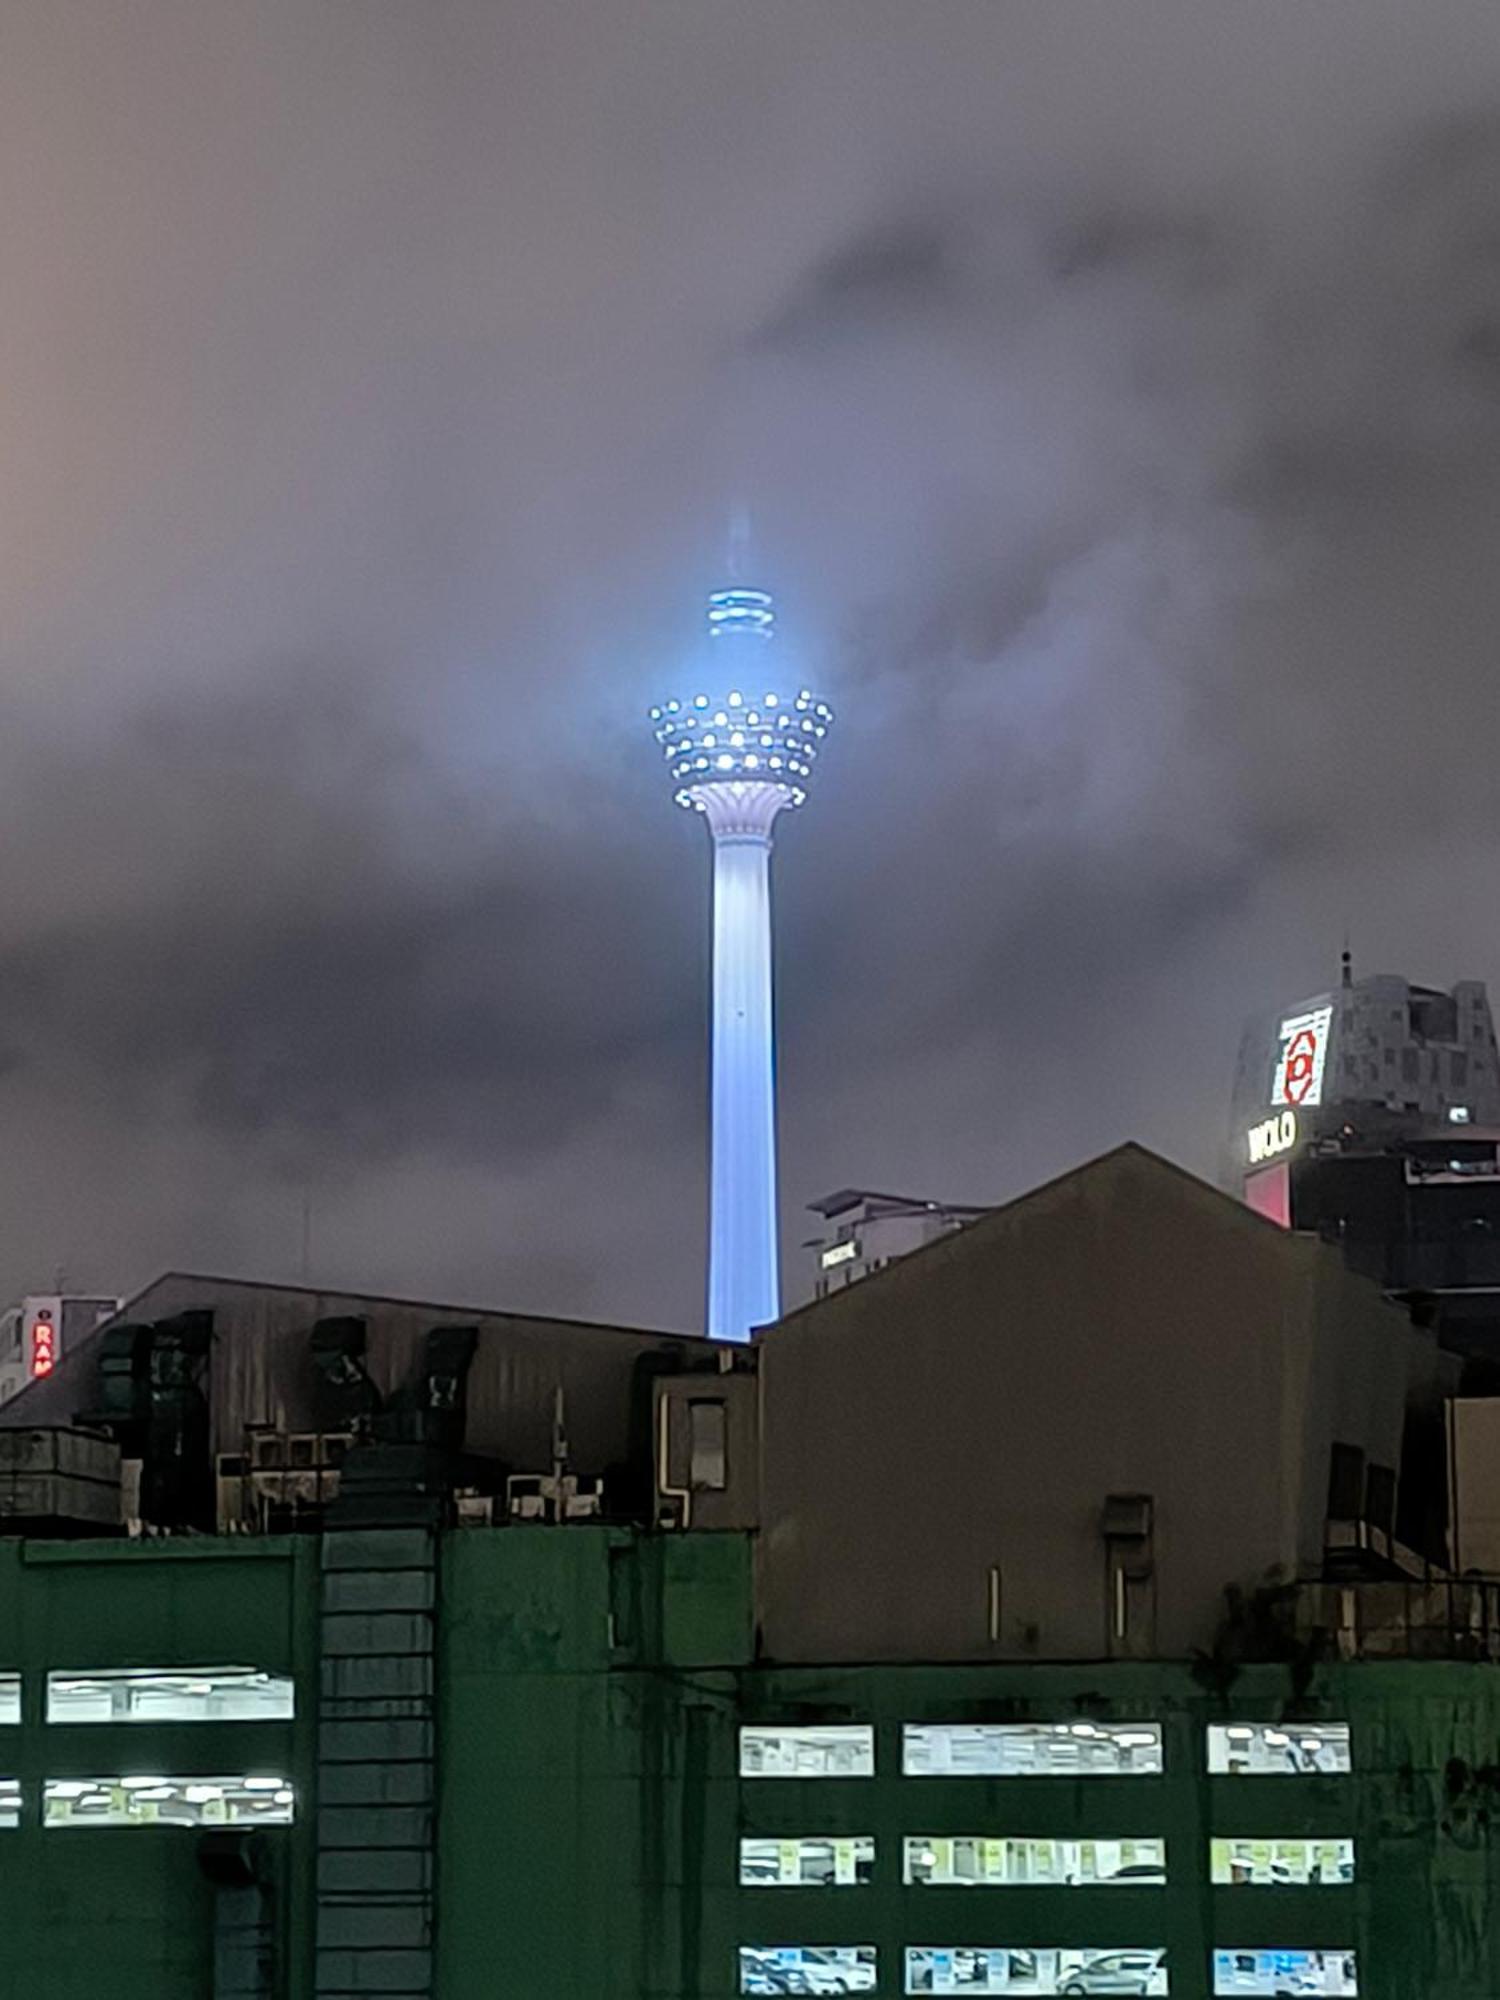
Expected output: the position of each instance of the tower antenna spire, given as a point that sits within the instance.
(738, 550)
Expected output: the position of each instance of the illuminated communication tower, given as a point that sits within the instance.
(740, 755)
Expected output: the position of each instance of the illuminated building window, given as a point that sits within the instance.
(10, 1802)
(974, 1969)
(1030, 1749)
(153, 1801)
(10, 1697)
(823, 1861)
(807, 1968)
(1274, 1863)
(1322, 1972)
(1267, 1749)
(981, 1861)
(178, 1694)
(707, 1445)
(832, 1750)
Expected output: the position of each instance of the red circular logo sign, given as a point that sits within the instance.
(1297, 1069)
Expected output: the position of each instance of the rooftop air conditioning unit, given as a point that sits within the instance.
(540, 1496)
(582, 1499)
(302, 1484)
(297, 1470)
(526, 1497)
(267, 1450)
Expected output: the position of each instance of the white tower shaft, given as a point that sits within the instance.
(744, 1285)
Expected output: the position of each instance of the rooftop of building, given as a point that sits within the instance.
(1130, 1157)
(261, 1372)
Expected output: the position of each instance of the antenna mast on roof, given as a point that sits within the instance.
(738, 550)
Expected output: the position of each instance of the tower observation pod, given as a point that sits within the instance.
(740, 755)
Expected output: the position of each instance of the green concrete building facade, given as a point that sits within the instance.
(563, 1802)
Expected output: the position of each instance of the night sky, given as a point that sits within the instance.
(1115, 393)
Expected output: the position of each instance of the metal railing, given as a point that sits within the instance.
(1441, 1618)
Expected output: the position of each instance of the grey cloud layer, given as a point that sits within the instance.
(1116, 395)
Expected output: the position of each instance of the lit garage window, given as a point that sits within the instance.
(10, 1802)
(975, 1969)
(820, 1861)
(807, 1968)
(1030, 1749)
(1268, 1749)
(1274, 1972)
(980, 1861)
(150, 1801)
(837, 1750)
(1276, 1863)
(175, 1694)
(10, 1697)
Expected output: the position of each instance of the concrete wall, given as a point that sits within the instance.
(1125, 1330)
(1474, 1456)
(589, 1787)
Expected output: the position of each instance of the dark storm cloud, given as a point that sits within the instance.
(1180, 250)
(885, 274)
(1114, 393)
(275, 949)
(1165, 709)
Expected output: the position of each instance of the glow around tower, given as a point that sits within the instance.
(740, 751)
